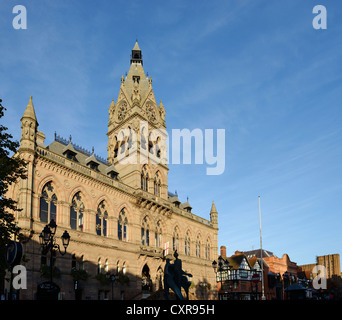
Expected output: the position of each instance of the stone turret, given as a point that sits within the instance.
(213, 215)
(29, 126)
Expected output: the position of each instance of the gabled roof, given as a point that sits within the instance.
(186, 205)
(111, 169)
(174, 199)
(256, 253)
(236, 261)
(69, 148)
(92, 159)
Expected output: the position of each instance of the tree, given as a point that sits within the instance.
(11, 169)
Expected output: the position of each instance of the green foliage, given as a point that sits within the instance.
(103, 278)
(45, 271)
(79, 274)
(123, 279)
(11, 169)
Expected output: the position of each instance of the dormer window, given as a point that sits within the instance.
(70, 152)
(92, 162)
(112, 172)
(93, 165)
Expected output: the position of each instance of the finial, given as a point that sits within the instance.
(70, 139)
(93, 149)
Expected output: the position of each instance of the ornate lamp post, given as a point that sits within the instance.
(222, 267)
(112, 277)
(48, 242)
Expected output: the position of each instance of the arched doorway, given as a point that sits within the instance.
(146, 282)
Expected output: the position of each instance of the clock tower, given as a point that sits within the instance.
(137, 132)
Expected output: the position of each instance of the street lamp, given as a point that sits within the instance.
(48, 242)
(112, 277)
(223, 267)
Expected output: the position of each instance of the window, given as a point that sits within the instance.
(150, 143)
(144, 179)
(124, 268)
(116, 146)
(175, 240)
(244, 269)
(145, 233)
(143, 138)
(198, 247)
(157, 184)
(99, 266)
(207, 250)
(187, 244)
(101, 220)
(157, 236)
(47, 205)
(77, 264)
(122, 226)
(76, 212)
(157, 147)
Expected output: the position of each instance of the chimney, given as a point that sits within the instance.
(223, 251)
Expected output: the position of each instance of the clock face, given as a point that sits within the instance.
(122, 112)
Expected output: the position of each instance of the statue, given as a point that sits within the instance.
(176, 278)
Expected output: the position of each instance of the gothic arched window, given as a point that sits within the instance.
(157, 184)
(158, 236)
(145, 233)
(122, 226)
(207, 250)
(76, 212)
(187, 244)
(198, 247)
(175, 240)
(48, 204)
(144, 178)
(101, 219)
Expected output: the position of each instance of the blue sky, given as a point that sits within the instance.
(257, 69)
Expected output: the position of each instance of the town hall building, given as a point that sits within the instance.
(118, 211)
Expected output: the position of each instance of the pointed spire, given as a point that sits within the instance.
(29, 111)
(213, 214)
(136, 46)
(213, 208)
(112, 106)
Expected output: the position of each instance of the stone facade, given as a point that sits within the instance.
(119, 214)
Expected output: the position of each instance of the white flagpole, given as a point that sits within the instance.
(262, 262)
